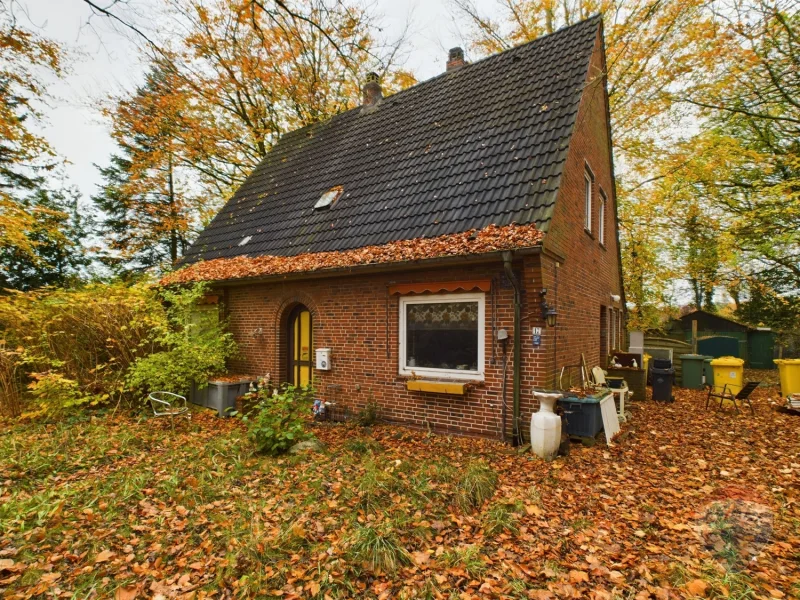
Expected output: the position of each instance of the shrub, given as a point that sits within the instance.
(379, 548)
(195, 345)
(475, 486)
(369, 415)
(10, 402)
(88, 336)
(278, 422)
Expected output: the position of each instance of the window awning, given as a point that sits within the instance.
(483, 285)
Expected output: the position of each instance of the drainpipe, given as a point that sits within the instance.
(515, 431)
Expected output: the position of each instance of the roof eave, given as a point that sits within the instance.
(372, 268)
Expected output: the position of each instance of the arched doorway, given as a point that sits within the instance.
(299, 346)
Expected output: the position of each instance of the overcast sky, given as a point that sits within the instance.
(104, 61)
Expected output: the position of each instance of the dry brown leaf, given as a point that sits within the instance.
(126, 593)
(420, 558)
(576, 576)
(697, 587)
(103, 556)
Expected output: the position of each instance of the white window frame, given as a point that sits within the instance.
(601, 218)
(588, 184)
(480, 298)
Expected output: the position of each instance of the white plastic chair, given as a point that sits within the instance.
(167, 404)
(622, 393)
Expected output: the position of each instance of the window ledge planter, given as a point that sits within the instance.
(437, 387)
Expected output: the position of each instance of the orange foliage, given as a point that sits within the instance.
(490, 239)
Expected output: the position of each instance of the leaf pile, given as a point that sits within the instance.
(687, 503)
(489, 239)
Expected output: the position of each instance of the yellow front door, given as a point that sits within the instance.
(299, 346)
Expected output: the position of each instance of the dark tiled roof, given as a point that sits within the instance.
(483, 144)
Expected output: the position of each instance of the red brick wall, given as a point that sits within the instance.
(350, 317)
(588, 273)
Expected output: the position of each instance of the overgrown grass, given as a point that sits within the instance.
(467, 558)
(376, 485)
(502, 517)
(475, 486)
(391, 512)
(378, 547)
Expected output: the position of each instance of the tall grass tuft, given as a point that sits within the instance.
(502, 517)
(379, 548)
(475, 486)
(10, 401)
(468, 558)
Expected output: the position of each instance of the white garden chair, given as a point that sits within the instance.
(167, 404)
(621, 394)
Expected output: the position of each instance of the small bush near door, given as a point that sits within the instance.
(278, 422)
(369, 415)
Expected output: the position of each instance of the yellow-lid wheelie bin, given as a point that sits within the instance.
(728, 370)
(789, 372)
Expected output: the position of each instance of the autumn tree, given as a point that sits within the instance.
(148, 211)
(754, 121)
(57, 255)
(227, 81)
(25, 58)
(703, 99)
(255, 74)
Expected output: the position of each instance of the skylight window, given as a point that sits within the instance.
(329, 198)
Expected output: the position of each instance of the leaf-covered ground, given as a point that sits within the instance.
(687, 503)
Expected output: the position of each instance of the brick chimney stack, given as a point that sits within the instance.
(455, 59)
(372, 90)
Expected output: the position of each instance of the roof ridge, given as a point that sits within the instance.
(538, 40)
(484, 144)
(466, 66)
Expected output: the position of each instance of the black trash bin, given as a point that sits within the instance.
(662, 384)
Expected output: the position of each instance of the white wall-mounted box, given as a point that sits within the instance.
(323, 359)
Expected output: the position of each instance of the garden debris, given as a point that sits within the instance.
(489, 239)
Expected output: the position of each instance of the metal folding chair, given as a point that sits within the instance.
(167, 404)
(743, 395)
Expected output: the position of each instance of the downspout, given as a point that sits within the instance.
(516, 437)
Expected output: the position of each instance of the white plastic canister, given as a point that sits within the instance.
(546, 426)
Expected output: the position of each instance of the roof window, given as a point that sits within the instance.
(329, 198)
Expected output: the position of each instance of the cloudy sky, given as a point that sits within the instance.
(105, 61)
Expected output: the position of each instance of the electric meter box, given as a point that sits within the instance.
(323, 359)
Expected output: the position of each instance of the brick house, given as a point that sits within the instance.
(411, 234)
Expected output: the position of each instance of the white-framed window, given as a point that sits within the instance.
(601, 218)
(588, 181)
(442, 335)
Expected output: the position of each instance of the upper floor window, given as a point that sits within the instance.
(588, 182)
(442, 335)
(601, 218)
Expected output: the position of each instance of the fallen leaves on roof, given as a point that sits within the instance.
(489, 239)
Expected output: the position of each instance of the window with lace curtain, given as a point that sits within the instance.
(442, 335)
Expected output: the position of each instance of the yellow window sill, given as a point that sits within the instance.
(436, 387)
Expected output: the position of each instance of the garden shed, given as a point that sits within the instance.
(722, 336)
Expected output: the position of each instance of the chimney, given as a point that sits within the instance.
(455, 59)
(372, 90)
